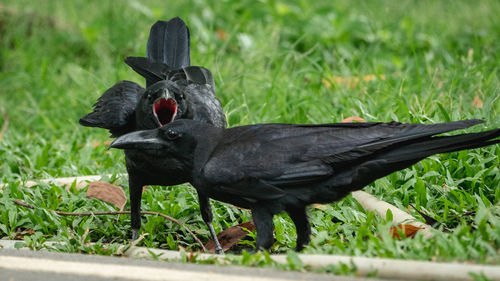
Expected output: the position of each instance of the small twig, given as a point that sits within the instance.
(428, 219)
(5, 123)
(21, 203)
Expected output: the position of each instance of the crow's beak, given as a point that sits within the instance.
(142, 140)
(166, 94)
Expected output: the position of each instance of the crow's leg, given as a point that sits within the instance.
(206, 214)
(135, 190)
(302, 226)
(263, 220)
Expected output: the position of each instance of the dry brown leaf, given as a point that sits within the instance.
(108, 193)
(350, 82)
(477, 102)
(239, 208)
(231, 236)
(409, 230)
(319, 206)
(221, 34)
(353, 119)
(21, 232)
(99, 143)
(326, 82)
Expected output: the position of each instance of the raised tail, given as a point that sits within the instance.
(168, 43)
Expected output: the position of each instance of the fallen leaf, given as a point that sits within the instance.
(221, 34)
(230, 237)
(108, 193)
(21, 232)
(350, 82)
(477, 102)
(319, 206)
(326, 82)
(99, 143)
(353, 119)
(409, 230)
(239, 208)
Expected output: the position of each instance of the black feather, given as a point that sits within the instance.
(152, 71)
(169, 43)
(115, 109)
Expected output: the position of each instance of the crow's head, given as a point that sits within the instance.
(161, 103)
(177, 140)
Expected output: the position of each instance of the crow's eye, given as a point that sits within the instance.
(172, 135)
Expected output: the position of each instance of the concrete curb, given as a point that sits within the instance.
(28, 265)
(384, 268)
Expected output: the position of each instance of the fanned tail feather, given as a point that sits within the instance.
(168, 43)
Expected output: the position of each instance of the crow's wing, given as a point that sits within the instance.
(149, 69)
(115, 109)
(284, 155)
(194, 74)
(260, 190)
(204, 105)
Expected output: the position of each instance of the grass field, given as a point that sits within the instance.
(273, 61)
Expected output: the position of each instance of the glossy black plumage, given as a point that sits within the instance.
(270, 168)
(115, 109)
(169, 43)
(174, 90)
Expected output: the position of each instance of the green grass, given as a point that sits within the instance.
(274, 65)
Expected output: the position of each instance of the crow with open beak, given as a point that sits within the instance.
(174, 89)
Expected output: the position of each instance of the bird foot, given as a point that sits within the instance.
(135, 234)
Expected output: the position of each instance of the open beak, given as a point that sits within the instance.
(165, 108)
(141, 140)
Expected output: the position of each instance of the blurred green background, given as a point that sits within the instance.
(273, 61)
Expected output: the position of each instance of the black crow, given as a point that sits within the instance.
(174, 90)
(270, 168)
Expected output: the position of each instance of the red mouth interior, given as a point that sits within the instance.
(165, 110)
